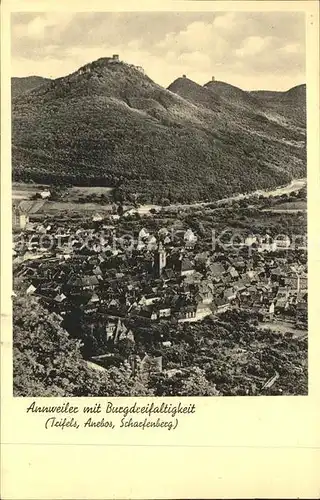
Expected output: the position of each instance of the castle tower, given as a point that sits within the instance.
(213, 79)
(160, 260)
(115, 57)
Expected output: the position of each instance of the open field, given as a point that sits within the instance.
(70, 209)
(76, 192)
(292, 205)
(283, 327)
(289, 207)
(87, 190)
(286, 211)
(22, 191)
(69, 206)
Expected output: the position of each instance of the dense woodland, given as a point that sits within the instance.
(24, 84)
(49, 363)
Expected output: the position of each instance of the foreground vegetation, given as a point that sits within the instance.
(229, 357)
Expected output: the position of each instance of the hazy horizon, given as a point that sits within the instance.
(247, 90)
(252, 51)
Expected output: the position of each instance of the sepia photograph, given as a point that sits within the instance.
(159, 204)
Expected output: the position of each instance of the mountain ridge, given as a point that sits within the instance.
(23, 84)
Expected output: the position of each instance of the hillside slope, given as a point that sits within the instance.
(241, 109)
(295, 94)
(23, 84)
(231, 93)
(196, 94)
(109, 124)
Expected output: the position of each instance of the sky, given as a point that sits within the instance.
(258, 50)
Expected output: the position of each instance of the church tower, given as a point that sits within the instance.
(160, 260)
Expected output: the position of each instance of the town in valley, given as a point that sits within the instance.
(141, 287)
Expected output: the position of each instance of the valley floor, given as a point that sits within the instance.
(22, 191)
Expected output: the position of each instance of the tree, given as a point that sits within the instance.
(191, 382)
(165, 202)
(120, 210)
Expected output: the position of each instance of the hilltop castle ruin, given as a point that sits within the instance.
(114, 59)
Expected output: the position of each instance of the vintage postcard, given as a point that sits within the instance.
(159, 262)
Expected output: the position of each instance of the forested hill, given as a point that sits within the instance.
(290, 104)
(296, 95)
(233, 94)
(23, 84)
(110, 124)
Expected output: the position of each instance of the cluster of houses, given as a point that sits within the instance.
(22, 211)
(154, 276)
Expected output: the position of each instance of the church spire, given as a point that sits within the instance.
(160, 259)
